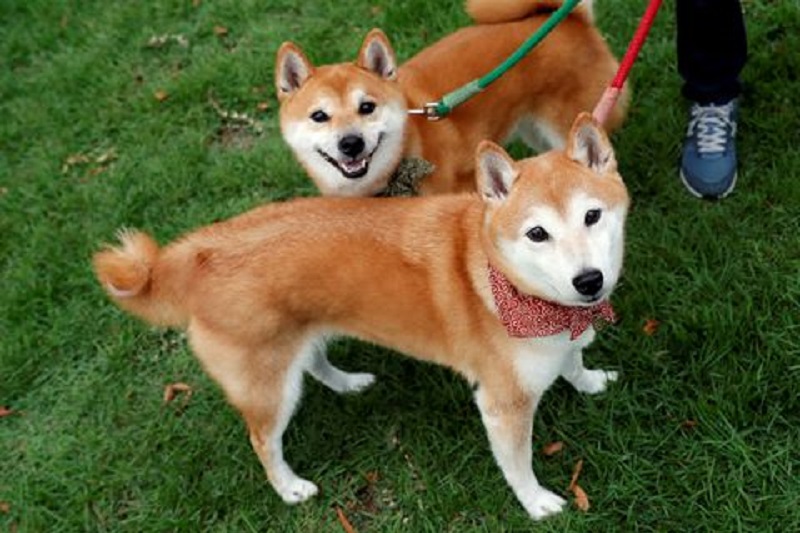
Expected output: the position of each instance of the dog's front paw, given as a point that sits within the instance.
(542, 503)
(595, 381)
(297, 490)
(356, 382)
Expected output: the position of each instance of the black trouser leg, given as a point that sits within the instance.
(712, 49)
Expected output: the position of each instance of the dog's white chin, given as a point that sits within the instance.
(338, 185)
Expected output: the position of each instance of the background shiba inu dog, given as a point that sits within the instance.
(259, 294)
(348, 126)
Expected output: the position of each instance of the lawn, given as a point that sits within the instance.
(114, 114)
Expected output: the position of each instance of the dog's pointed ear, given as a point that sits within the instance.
(377, 55)
(292, 69)
(496, 172)
(588, 145)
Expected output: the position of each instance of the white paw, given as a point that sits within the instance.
(542, 503)
(356, 382)
(595, 381)
(296, 491)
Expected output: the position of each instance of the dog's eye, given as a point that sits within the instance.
(537, 234)
(592, 217)
(320, 116)
(366, 108)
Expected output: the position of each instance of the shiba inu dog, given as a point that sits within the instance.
(501, 286)
(348, 123)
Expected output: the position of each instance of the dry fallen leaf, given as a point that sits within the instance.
(160, 95)
(262, 106)
(97, 170)
(581, 499)
(74, 160)
(372, 477)
(5, 507)
(346, 525)
(106, 157)
(172, 390)
(5, 411)
(575, 473)
(552, 448)
(650, 326)
(220, 31)
(689, 424)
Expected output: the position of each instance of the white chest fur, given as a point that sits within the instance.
(540, 361)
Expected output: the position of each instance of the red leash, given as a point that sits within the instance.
(609, 98)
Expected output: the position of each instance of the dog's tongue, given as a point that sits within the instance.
(354, 166)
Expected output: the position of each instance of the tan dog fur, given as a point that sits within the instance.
(260, 293)
(536, 100)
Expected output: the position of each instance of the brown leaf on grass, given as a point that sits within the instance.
(160, 95)
(106, 157)
(97, 170)
(689, 424)
(375, 10)
(172, 390)
(650, 326)
(576, 472)
(581, 500)
(5, 411)
(220, 31)
(262, 106)
(372, 477)
(346, 525)
(5, 507)
(73, 160)
(552, 448)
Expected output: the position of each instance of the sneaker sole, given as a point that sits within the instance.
(697, 194)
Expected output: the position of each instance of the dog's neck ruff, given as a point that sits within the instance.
(526, 316)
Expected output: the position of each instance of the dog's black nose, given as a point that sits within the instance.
(351, 145)
(589, 282)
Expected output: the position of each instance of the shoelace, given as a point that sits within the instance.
(711, 123)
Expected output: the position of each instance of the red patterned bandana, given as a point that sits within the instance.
(528, 316)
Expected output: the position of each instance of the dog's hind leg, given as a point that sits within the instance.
(264, 383)
(583, 379)
(334, 378)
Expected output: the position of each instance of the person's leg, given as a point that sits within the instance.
(712, 50)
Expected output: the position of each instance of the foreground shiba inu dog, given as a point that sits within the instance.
(501, 286)
(348, 124)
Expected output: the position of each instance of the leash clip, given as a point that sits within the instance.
(429, 110)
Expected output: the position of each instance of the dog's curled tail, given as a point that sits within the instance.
(494, 11)
(135, 280)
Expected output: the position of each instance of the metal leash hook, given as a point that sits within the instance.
(429, 110)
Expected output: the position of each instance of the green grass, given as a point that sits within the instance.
(94, 449)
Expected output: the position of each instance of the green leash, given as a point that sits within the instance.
(440, 109)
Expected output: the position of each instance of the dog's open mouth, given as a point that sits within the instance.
(353, 168)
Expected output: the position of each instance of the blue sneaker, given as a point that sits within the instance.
(708, 162)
